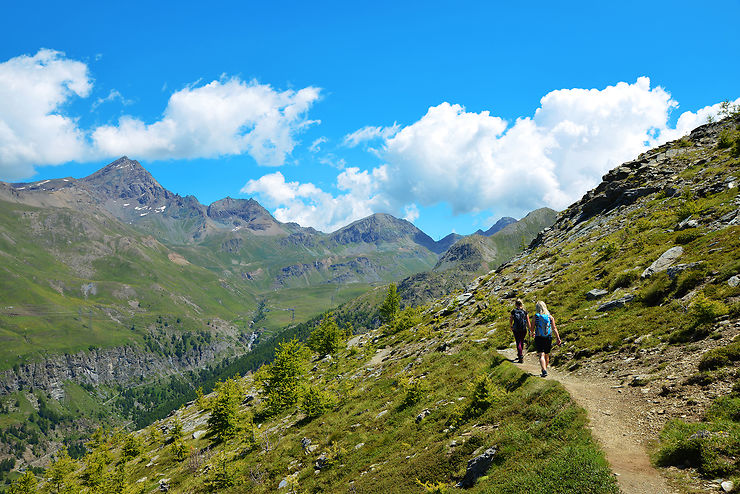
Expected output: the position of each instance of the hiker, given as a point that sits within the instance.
(519, 322)
(541, 330)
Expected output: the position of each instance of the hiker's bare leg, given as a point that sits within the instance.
(543, 362)
(547, 361)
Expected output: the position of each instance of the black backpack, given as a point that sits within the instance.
(520, 319)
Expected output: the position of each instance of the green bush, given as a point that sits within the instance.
(705, 311)
(391, 305)
(720, 357)
(687, 208)
(657, 289)
(707, 446)
(484, 394)
(624, 280)
(132, 447)
(405, 319)
(688, 280)
(688, 236)
(725, 408)
(726, 139)
(415, 391)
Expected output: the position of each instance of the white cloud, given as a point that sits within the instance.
(370, 133)
(479, 162)
(113, 95)
(411, 212)
(308, 205)
(315, 146)
(223, 117)
(33, 130)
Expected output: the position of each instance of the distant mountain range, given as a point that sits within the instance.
(105, 259)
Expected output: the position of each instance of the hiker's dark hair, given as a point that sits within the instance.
(519, 303)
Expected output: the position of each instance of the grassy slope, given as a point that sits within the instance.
(374, 440)
(37, 318)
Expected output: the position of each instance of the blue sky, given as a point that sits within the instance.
(451, 115)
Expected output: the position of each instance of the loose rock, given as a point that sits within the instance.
(477, 467)
(663, 262)
(596, 294)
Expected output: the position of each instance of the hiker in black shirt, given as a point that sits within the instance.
(519, 323)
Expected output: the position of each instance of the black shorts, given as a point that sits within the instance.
(543, 343)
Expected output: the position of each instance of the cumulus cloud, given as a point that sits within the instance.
(480, 162)
(309, 205)
(223, 117)
(33, 130)
(370, 133)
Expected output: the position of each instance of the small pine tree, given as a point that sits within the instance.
(391, 305)
(315, 402)
(327, 338)
(59, 472)
(176, 430)
(223, 422)
(285, 376)
(25, 484)
(132, 447)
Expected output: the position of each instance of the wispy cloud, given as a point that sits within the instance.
(370, 133)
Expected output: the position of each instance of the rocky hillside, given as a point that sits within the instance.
(474, 255)
(643, 279)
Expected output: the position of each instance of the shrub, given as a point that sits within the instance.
(725, 408)
(726, 139)
(704, 311)
(656, 290)
(688, 236)
(708, 447)
(179, 452)
(415, 391)
(720, 357)
(688, 280)
(624, 280)
(484, 394)
(687, 208)
(406, 319)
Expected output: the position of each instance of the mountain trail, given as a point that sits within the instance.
(613, 422)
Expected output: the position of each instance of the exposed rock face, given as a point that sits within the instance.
(99, 366)
(246, 213)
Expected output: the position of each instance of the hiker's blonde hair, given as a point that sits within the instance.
(541, 308)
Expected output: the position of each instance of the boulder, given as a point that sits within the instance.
(477, 467)
(614, 304)
(422, 415)
(198, 434)
(734, 281)
(727, 486)
(674, 271)
(663, 262)
(687, 223)
(596, 294)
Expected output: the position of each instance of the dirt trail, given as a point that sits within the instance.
(613, 423)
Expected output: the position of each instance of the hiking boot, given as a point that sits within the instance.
(544, 373)
(521, 359)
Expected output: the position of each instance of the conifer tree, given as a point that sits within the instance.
(327, 338)
(25, 484)
(223, 421)
(286, 375)
(58, 475)
(391, 305)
